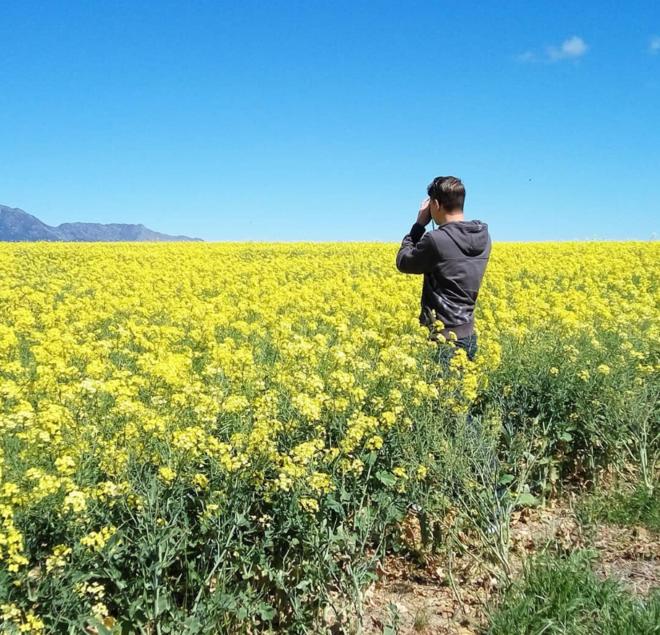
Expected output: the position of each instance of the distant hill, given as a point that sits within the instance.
(17, 225)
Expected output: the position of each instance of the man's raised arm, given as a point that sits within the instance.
(417, 253)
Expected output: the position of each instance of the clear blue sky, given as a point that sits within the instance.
(310, 120)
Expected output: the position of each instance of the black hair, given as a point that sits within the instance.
(448, 191)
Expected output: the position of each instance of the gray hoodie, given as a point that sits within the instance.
(453, 259)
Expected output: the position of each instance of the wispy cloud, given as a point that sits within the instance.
(527, 56)
(572, 48)
(654, 45)
(569, 49)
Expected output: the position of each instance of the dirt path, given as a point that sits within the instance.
(434, 596)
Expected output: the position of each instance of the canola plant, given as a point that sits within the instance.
(185, 427)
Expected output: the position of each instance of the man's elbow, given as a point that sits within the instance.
(405, 267)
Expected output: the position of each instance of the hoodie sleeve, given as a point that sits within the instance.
(417, 253)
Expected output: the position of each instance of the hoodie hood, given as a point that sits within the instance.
(471, 236)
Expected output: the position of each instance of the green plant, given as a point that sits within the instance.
(563, 595)
(630, 506)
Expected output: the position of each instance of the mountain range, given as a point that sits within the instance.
(17, 225)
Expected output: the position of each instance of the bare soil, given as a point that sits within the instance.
(431, 594)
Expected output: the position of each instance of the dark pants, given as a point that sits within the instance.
(468, 343)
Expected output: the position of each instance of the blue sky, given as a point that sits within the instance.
(326, 120)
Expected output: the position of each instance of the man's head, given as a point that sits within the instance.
(447, 195)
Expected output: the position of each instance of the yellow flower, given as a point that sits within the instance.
(58, 559)
(321, 482)
(421, 472)
(10, 612)
(235, 403)
(309, 504)
(75, 501)
(96, 540)
(100, 610)
(167, 474)
(400, 472)
(200, 480)
(65, 465)
(32, 624)
(374, 443)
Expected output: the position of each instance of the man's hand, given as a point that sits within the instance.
(424, 215)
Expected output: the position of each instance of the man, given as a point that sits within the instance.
(453, 259)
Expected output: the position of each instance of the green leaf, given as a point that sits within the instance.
(334, 506)
(162, 604)
(266, 612)
(386, 478)
(527, 500)
(370, 459)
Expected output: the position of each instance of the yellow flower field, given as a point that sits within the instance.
(284, 378)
